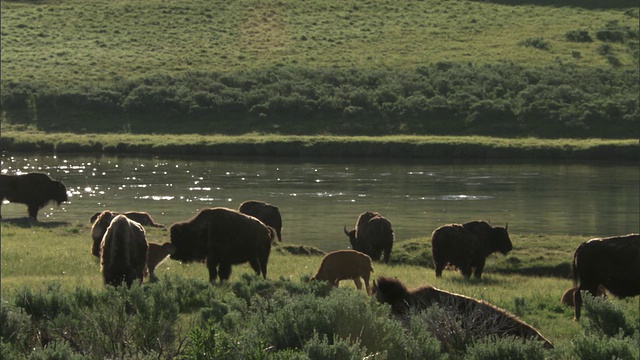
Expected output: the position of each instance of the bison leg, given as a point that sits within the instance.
(439, 267)
(33, 211)
(225, 271)
(479, 267)
(387, 255)
(212, 265)
(255, 265)
(358, 283)
(466, 271)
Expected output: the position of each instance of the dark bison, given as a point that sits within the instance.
(476, 317)
(33, 189)
(612, 262)
(267, 213)
(223, 237)
(372, 235)
(123, 252)
(140, 217)
(467, 246)
(99, 228)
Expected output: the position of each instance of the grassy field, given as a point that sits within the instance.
(527, 282)
(73, 43)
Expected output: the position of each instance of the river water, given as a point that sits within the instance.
(318, 197)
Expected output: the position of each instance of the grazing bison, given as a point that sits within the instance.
(467, 246)
(476, 317)
(99, 228)
(612, 262)
(141, 218)
(372, 235)
(267, 213)
(123, 252)
(223, 237)
(156, 254)
(343, 265)
(33, 189)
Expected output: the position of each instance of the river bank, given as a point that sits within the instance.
(401, 146)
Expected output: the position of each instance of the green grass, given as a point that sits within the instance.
(34, 255)
(72, 42)
(23, 139)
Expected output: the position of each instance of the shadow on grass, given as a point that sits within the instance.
(586, 4)
(27, 222)
(562, 270)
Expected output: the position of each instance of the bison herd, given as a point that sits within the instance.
(221, 237)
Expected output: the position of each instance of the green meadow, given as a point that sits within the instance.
(50, 267)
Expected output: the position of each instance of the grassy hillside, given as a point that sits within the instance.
(505, 68)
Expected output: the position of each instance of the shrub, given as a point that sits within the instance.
(594, 347)
(505, 348)
(536, 42)
(603, 317)
(578, 36)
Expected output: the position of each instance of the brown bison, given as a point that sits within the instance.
(612, 262)
(467, 246)
(568, 295)
(140, 217)
(99, 228)
(223, 237)
(475, 316)
(156, 254)
(123, 252)
(343, 265)
(33, 189)
(267, 213)
(372, 235)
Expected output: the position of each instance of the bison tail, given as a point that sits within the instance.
(273, 235)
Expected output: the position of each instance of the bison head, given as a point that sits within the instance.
(352, 238)
(98, 230)
(500, 239)
(188, 245)
(59, 192)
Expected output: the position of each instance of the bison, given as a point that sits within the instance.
(343, 265)
(141, 218)
(612, 262)
(156, 254)
(33, 189)
(467, 246)
(123, 252)
(372, 235)
(476, 317)
(267, 213)
(99, 228)
(223, 237)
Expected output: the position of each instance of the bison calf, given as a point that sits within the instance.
(33, 189)
(123, 252)
(467, 246)
(343, 265)
(156, 254)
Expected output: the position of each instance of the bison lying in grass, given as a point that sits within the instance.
(267, 213)
(33, 189)
(372, 235)
(467, 246)
(612, 262)
(476, 317)
(123, 252)
(223, 237)
(344, 265)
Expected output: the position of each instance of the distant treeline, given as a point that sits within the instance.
(501, 99)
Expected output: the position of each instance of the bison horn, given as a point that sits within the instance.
(345, 230)
(506, 226)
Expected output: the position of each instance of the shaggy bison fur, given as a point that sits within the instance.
(99, 228)
(267, 213)
(372, 235)
(223, 237)
(467, 246)
(344, 265)
(140, 217)
(33, 189)
(568, 295)
(123, 252)
(476, 317)
(612, 262)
